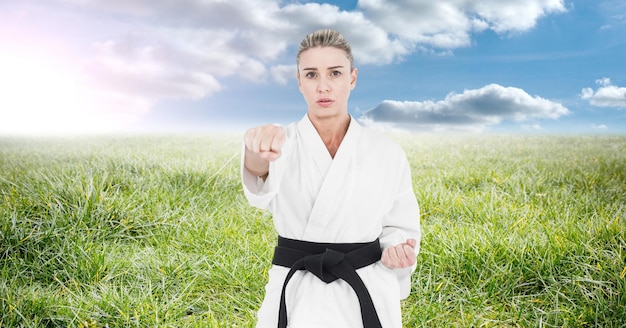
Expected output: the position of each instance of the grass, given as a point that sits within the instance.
(519, 231)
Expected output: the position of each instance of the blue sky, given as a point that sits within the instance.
(490, 66)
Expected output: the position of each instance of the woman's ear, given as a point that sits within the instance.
(353, 76)
(299, 84)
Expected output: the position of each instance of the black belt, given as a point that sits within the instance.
(329, 262)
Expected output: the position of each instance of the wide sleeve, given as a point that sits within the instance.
(402, 222)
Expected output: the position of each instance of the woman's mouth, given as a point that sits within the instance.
(325, 102)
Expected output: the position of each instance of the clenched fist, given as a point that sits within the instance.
(399, 256)
(263, 144)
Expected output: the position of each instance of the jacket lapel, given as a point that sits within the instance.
(329, 196)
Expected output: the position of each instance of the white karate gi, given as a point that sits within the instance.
(364, 193)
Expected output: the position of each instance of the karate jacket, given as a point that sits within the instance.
(364, 193)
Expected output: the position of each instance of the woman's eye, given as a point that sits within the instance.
(311, 75)
(335, 73)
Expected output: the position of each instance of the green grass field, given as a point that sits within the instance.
(519, 231)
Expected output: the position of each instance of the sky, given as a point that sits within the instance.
(194, 66)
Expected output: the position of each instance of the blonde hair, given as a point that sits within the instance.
(326, 38)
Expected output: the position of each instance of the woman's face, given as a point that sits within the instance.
(325, 80)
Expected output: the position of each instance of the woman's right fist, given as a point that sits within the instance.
(265, 141)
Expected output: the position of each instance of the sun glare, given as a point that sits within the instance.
(39, 96)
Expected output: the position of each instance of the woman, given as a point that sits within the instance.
(342, 201)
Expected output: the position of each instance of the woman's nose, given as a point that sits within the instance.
(323, 85)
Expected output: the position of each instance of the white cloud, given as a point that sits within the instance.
(436, 23)
(283, 73)
(472, 110)
(607, 95)
(379, 32)
(599, 126)
(166, 49)
(614, 12)
(514, 15)
(187, 47)
(144, 71)
(142, 52)
(605, 81)
(370, 43)
(449, 24)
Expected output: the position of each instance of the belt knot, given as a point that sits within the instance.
(321, 264)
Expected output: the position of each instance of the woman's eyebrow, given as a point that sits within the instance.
(315, 68)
